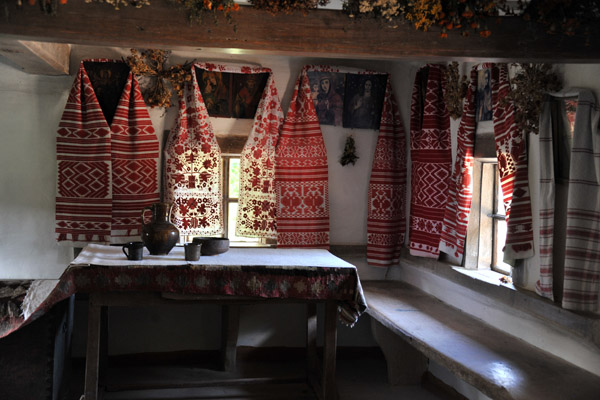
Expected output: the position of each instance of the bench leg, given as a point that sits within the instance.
(230, 326)
(405, 364)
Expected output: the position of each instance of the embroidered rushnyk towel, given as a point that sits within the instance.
(460, 193)
(386, 220)
(302, 174)
(511, 152)
(193, 163)
(431, 158)
(107, 157)
(257, 205)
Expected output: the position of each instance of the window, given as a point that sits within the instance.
(486, 234)
(231, 194)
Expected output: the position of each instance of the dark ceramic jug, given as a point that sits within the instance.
(159, 235)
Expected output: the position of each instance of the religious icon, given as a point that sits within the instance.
(248, 90)
(484, 95)
(214, 87)
(327, 92)
(364, 100)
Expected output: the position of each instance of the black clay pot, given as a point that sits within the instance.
(159, 235)
(212, 246)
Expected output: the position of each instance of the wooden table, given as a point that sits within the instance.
(240, 276)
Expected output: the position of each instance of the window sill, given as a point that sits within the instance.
(585, 327)
(487, 276)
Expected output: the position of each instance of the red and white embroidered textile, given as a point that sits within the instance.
(460, 193)
(302, 174)
(511, 151)
(257, 207)
(106, 173)
(431, 157)
(192, 167)
(386, 219)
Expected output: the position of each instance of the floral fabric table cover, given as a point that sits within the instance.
(304, 274)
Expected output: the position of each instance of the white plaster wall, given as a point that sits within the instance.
(30, 108)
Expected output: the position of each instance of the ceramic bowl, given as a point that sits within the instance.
(212, 246)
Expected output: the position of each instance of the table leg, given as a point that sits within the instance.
(311, 339)
(329, 350)
(93, 350)
(230, 326)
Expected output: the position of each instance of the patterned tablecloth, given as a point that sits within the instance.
(304, 274)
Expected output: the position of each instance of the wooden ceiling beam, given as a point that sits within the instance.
(37, 57)
(322, 33)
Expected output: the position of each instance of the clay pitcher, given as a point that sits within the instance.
(159, 235)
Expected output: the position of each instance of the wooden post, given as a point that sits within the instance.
(329, 350)
(230, 326)
(313, 371)
(93, 349)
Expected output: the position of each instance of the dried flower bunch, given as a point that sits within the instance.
(151, 64)
(118, 3)
(462, 15)
(287, 6)
(198, 9)
(528, 89)
(455, 90)
(566, 16)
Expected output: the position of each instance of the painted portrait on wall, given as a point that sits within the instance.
(215, 88)
(364, 100)
(327, 91)
(247, 91)
(484, 95)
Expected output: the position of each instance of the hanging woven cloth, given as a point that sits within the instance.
(386, 220)
(193, 162)
(192, 167)
(431, 157)
(582, 172)
(302, 174)
(511, 151)
(107, 156)
(460, 193)
(257, 207)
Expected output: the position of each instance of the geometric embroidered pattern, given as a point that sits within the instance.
(386, 219)
(106, 174)
(302, 174)
(431, 161)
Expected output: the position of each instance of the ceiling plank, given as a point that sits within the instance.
(37, 57)
(322, 33)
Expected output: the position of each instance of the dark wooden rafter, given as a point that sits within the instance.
(322, 33)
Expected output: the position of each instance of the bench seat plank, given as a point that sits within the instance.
(498, 364)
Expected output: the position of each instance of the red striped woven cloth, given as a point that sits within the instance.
(431, 157)
(302, 174)
(386, 219)
(192, 167)
(460, 193)
(582, 232)
(511, 151)
(106, 173)
(257, 207)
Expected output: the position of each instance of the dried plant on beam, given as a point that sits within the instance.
(528, 89)
(151, 64)
(287, 6)
(455, 90)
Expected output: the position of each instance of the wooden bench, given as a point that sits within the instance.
(499, 365)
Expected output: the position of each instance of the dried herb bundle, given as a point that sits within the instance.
(287, 6)
(151, 64)
(528, 88)
(455, 90)
(198, 9)
(118, 3)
